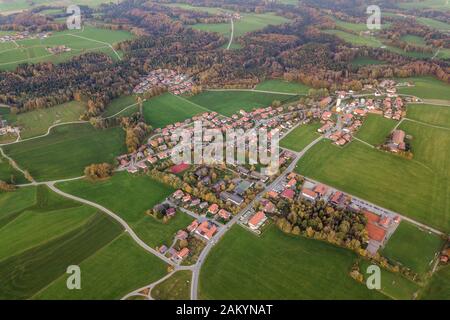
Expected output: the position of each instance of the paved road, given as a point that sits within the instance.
(232, 34)
(115, 217)
(222, 231)
(256, 90)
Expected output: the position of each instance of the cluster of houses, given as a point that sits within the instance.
(5, 128)
(187, 201)
(396, 141)
(160, 146)
(175, 82)
(24, 35)
(379, 227)
(340, 123)
(58, 49)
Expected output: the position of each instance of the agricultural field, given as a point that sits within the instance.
(376, 129)
(372, 41)
(110, 273)
(37, 122)
(419, 258)
(12, 6)
(300, 137)
(79, 41)
(356, 26)
(393, 285)
(67, 150)
(439, 286)
(177, 287)
(46, 233)
(185, 6)
(443, 53)
(436, 24)
(121, 107)
(283, 86)
(238, 268)
(426, 88)
(168, 108)
(228, 102)
(430, 114)
(143, 193)
(409, 187)
(425, 4)
(248, 23)
(10, 175)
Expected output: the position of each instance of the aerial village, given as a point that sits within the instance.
(24, 35)
(176, 83)
(226, 190)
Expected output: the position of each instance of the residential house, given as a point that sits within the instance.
(257, 220)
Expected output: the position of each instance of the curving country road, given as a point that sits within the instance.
(232, 34)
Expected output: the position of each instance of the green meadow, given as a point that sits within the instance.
(67, 150)
(419, 257)
(110, 273)
(43, 233)
(439, 286)
(436, 24)
(426, 87)
(10, 175)
(430, 114)
(142, 193)
(416, 188)
(300, 137)
(168, 109)
(37, 122)
(283, 86)
(79, 41)
(121, 107)
(177, 287)
(375, 129)
(245, 266)
(229, 102)
(425, 4)
(393, 285)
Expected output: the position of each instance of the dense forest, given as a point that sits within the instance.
(298, 51)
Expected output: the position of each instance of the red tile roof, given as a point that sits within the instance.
(257, 217)
(371, 217)
(288, 193)
(375, 232)
(179, 168)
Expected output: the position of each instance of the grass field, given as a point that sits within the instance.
(372, 41)
(67, 151)
(230, 102)
(119, 104)
(421, 4)
(436, 24)
(376, 129)
(419, 41)
(177, 287)
(409, 187)
(393, 285)
(142, 194)
(168, 108)
(439, 286)
(418, 257)
(37, 122)
(431, 114)
(426, 88)
(79, 41)
(283, 86)
(9, 174)
(278, 266)
(43, 233)
(356, 26)
(248, 23)
(211, 10)
(110, 273)
(300, 137)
